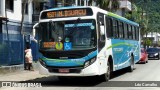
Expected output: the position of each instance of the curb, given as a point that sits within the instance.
(11, 69)
(15, 68)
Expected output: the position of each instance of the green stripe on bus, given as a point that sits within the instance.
(118, 44)
(115, 15)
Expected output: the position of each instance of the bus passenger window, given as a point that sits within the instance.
(120, 30)
(125, 31)
(137, 33)
(130, 32)
(109, 30)
(133, 32)
(115, 29)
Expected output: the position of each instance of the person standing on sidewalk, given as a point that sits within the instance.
(28, 58)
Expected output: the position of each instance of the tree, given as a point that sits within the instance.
(110, 5)
(152, 8)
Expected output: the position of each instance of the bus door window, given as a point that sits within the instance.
(101, 26)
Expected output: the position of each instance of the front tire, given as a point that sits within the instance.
(107, 75)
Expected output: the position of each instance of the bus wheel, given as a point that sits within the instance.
(106, 76)
(131, 67)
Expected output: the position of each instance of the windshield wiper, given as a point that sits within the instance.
(53, 26)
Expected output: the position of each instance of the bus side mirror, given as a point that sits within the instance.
(35, 28)
(102, 30)
(102, 33)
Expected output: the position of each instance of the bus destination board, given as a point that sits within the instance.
(66, 13)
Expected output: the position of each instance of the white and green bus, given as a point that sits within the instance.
(86, 41)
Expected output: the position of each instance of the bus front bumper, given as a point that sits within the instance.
(88, 71)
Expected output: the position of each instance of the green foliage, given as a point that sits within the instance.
(152, 8)
(109, 5)
(148, 42)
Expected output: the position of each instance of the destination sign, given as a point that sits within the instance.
(67, 13)
(49, 44)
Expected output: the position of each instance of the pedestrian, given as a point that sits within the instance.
(28, 58)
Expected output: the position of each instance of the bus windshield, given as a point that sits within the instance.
(68, 35)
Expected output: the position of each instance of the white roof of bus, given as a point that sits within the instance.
(95, 11)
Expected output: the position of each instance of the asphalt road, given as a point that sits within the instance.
(144, 74)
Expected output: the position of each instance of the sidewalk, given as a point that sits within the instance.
(21, 75)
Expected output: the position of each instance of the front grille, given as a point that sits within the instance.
(70, 70)
(73, 69)
(69, 67)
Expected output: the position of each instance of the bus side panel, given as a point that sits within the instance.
(122, 50)
(119, 53)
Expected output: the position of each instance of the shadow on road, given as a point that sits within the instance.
(74, 81)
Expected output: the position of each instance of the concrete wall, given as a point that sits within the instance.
(16, 13)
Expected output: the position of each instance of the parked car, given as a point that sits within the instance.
(153, 53)
(144, 56)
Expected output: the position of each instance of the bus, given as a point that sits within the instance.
(86, 41)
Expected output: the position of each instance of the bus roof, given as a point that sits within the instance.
(96, 10)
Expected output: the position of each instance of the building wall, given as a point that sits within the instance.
(0, 7)
(12, 43)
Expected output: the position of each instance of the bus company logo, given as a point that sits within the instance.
(6, 84)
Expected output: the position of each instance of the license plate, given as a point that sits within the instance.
(151, 55)
(63, 70)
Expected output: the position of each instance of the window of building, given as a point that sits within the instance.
(69, 2)
(10, 4)
(80, 3)
(26, 8)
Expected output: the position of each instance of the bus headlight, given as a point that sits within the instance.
(155, 54)
(42, 63)
(87, 63)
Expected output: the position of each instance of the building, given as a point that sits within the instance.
(125, 6)
(154, 37)
(11, 40)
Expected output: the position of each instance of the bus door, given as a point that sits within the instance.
(101, 39)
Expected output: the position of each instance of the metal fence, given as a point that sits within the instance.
(11, 51)
(12, 46)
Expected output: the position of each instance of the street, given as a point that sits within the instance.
(143, 72)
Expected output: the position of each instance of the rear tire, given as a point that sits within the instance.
(131, 67)
(105, 77)
(147, 61)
